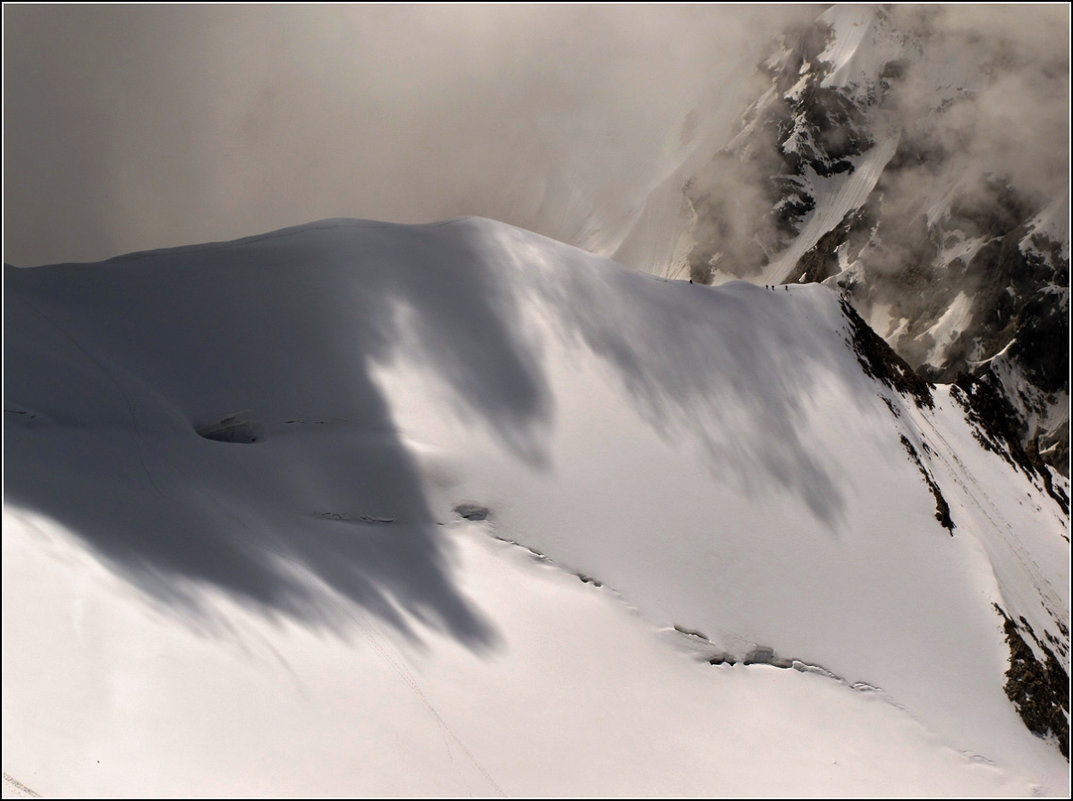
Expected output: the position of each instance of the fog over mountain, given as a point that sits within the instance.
(980, 95)
(153, 126)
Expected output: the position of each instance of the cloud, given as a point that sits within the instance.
(132, 127)
(983, 114)
(979, 102)
(992, 91)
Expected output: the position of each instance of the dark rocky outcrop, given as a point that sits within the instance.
(1038, 689)
(879, 360)
(942, 508)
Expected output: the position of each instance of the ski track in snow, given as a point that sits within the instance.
(955, 468)
(21, 790)
(394, 660)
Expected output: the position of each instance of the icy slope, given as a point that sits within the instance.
(363, 576)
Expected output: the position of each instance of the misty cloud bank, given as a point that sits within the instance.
(135, 127)
(977, 98)
(1000, 139)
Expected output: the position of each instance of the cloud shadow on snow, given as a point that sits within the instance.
(119, 361)
(726, 369)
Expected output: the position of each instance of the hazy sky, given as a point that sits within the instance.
(130, 127)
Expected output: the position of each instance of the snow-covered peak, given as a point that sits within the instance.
(379, 509)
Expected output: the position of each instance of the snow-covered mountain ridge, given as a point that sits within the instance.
(918, 159)
(309, 511)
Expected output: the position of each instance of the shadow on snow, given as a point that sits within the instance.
(116, 364)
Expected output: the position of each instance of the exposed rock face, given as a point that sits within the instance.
(1037, 686)
(859, 167)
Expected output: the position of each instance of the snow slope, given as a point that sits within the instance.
(479, 512)
(835, 197)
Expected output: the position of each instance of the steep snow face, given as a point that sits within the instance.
(913, 157)
(376, 509)
(861, 43)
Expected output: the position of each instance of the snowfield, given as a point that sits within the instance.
(473, 512)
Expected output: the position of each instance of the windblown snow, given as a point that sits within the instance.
(366, 509)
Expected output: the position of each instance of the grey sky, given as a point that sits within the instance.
(130, 127)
